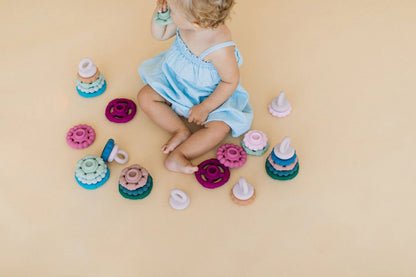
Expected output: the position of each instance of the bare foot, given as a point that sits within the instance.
(177, 162)
(177, 138)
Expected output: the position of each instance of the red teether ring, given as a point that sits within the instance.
(212, 174)
(120, 110)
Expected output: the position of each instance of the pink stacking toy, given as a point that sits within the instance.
(133, 177)
(280, 106)
(231, 155)
(80, 136)
(255, 140)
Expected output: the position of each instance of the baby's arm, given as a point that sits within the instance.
(162, 32)
(226, 64)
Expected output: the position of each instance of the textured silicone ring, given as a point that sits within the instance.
(212, 174)
(80, 136)
(231, 155)
(120, 110)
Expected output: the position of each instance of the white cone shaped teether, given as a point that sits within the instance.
(179, 200)
(243, 193)
(86, 68)
(284, 150)
(280, 106)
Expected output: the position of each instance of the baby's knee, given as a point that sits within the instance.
(219, 127)
(143, 96)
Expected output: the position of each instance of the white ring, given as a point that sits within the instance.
(179, 200)
(86, 68)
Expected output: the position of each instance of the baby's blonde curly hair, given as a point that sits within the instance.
(206, 13)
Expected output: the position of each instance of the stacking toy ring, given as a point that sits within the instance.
(231, 155)
(255, 140)
(119, 156)
(179, 200)
(120, 110)
(212, 174)
(133, 177)
(80, 136)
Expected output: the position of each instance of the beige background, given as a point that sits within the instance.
(348, 68)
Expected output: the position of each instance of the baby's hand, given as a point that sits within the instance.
(198, 114)
(162, 5)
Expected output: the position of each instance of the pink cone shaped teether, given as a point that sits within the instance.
(255, 140)
(80, 136)
(231, 155)
(280, 106)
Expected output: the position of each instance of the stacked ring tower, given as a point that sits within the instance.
(91, 172)
(255, 143)
(135, 182)
(90, 81)
(282, 163)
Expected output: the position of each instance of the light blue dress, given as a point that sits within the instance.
(186, 80)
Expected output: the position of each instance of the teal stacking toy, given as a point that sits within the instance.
(91, 172)
(282, 163)
(135, 182)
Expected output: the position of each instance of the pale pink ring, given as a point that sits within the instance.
(231, 155)
(133, 177)
(80, 136)
(282, 168)
(255, 140)
(279, 114)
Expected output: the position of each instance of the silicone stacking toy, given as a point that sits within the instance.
(179, 200)
(120, 110)
(282, 163)
(91, 172)
(90, 82)
(280, 106)
(80, 136)
(111, 153)
(163, 18)
(135, 182)
(231, 155)
(243, 193)
(212, 174)
(255, 143)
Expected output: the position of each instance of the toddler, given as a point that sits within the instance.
(197, 78)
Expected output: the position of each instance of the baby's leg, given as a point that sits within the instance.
(159, 111)
(196, 145)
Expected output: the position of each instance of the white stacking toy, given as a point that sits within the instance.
(282, 163)
(111, 152)
(243, 193)
(119, 156)
(284, 150)
(179, 200)
(86, 68)
(280, 106)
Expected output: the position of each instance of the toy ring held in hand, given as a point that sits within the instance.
(212, 174)
(120, 110)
